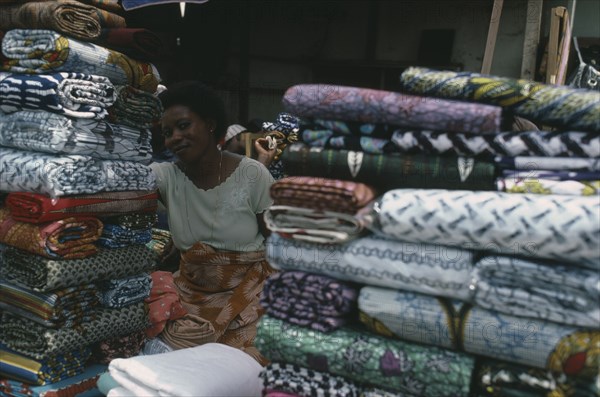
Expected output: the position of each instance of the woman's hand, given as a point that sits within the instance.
(266, 152)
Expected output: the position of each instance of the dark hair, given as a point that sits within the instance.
(201, 99)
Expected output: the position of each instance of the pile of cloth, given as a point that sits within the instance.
(79, 200)
(397, 208)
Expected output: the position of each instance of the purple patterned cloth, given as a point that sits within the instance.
(309, 300)
(378, 106)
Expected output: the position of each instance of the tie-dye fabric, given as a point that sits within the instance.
(428, 320)
(384, 172)
(316, 226)
(66, 307)
(68, 238)
(511, 144)
(553, 105)
(561, 228)
(368, 358)
(69, 17)
(34, 340)
(377, 106)
(309, 300)
(42, 274)
(538, 290)
(41, 131)
(46, 51)
(305, 381)
(50, 369)
(75, 95)
(135, 108)
(372, 260)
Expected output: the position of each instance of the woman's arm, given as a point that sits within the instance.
(262, 226)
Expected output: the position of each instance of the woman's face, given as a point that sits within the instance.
(187, 135)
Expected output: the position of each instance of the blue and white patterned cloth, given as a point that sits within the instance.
(562, 228)
(373, 260)
(24, 171)
(41, 131)
(72, 94)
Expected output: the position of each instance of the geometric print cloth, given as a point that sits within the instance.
(526, 143)
(54, 175)
(69, 17)
(577, 109)
(305, 382)
(378, 106)
(45, 51)
(62, 175)
(562, 228)
(41, 131)
(431, 321)
(364, 357)
(34, 340)
(76, 95)
(41, 274)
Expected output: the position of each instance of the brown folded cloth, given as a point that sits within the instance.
(220, 290)
(40, 208)
(68, 238)
(72, 18)
(322, 194)
(108, 5)
(137, 43)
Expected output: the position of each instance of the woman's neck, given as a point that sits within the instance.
(206, 172)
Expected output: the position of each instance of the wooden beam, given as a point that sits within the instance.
(556, 15)
(490, 44)
(532, 38)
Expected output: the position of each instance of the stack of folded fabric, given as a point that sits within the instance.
(454, 270)
(316, 227)
(76, 107)
(67, 304)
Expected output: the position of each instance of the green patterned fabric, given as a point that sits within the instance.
(577, 109)
(363, 357)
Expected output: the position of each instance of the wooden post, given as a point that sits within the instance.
(486, 65)
(532, 38)
(556, 15)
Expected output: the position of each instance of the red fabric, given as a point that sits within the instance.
(163, 303)
(39, 208)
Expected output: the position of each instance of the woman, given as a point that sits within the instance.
(215, 201)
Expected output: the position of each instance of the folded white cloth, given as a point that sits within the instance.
(212, 369)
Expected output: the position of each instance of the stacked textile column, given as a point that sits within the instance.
(74, 148)
(316, 229)
(431, 291)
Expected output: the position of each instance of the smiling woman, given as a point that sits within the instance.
(215, 202)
